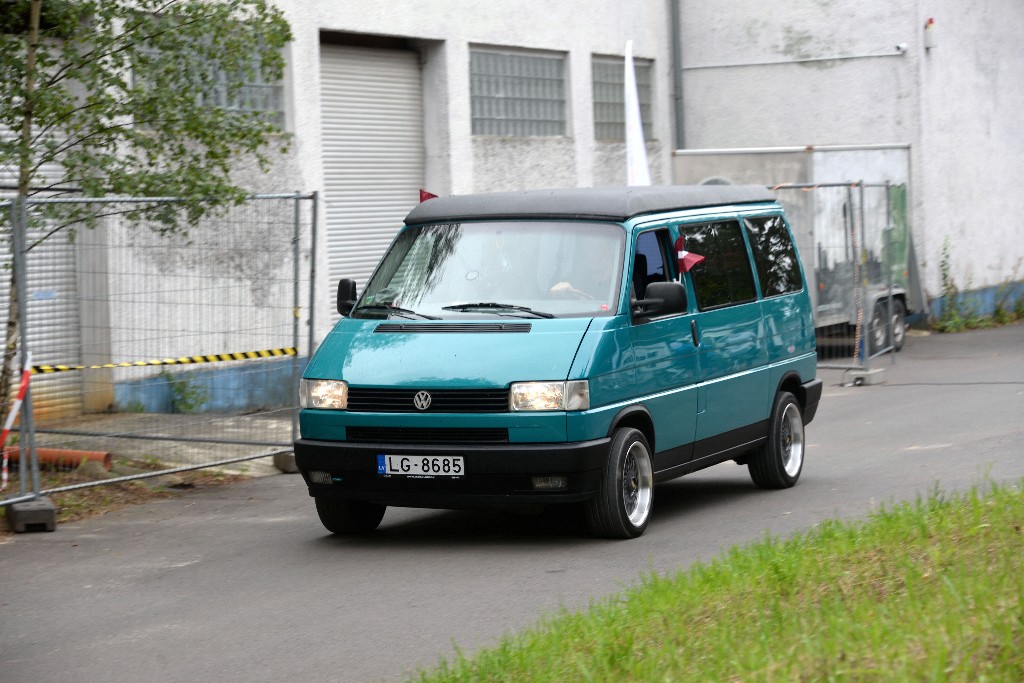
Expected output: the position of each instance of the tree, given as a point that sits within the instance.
(134, 98)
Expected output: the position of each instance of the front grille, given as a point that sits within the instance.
(363, 400)
(426, 435)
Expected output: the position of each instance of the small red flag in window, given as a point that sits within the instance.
(687, 259)
(424, 195)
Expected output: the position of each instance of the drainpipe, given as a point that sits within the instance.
(677, 71)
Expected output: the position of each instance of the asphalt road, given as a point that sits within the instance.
(243, 584)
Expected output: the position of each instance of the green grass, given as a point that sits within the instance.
(926, 591)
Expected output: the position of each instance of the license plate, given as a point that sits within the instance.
(421, 465)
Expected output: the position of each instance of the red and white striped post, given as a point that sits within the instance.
(15, 409)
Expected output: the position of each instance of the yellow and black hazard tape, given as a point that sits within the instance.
(184, 360)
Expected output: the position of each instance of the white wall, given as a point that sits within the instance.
(806, 72)
(754, 77)
(444, 31)
(971, 165)
(461, 163)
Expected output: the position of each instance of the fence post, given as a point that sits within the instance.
(858, 299)
(862, 284)
(891, 331)
(28, 432)
(312, 272)
(285, 462)
(296, 309)
(39, 511)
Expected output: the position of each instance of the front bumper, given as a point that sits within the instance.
(496, 474)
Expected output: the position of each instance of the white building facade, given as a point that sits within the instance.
(943, 78)
(456, 97)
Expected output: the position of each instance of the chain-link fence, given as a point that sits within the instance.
(857, 252)
(158, 348)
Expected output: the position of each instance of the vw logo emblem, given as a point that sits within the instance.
(421, 400)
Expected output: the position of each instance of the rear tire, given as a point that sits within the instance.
(623, 504)
(349, 517)
(879, 331)
(778, 464)
(899, 324)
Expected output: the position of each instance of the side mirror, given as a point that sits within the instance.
(346, 296)
(662, 298)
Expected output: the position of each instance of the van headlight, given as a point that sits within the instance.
(324, 394)
(573, 395)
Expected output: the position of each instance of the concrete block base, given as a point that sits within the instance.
(864, 377)
(285, 462)
(32, 515)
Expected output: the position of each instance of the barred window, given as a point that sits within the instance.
(517, 94)
(256, 95)
(609, 98)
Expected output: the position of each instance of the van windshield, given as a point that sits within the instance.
(498, 269)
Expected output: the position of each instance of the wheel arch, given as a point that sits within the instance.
(792, 383)
(637, 417)
(880, 301)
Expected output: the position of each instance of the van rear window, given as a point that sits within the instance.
(778, 271)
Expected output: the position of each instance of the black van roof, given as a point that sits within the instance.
(589, 203)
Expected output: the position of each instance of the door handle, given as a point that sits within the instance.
(693, 333)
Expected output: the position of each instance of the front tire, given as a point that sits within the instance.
(349, 517)
(623, 504)
(778, 464)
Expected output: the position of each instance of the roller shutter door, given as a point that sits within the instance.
(53, 323)
(53, 309)
(372, 152)
(54, 326)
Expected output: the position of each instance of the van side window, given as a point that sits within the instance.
(649, 264)
(774, 255)
(725, 277)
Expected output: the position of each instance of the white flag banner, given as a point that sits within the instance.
(637, 171)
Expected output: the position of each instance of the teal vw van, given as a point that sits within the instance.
(569, 346)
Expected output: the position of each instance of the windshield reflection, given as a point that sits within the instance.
(499, 269)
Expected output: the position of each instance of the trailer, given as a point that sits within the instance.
(849, 213)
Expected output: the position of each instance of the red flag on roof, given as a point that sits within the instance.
(424, 195)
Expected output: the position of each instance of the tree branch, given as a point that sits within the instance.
(55, 124)
(108, 214)
(74, 142)
(26, 122)
(129, 39)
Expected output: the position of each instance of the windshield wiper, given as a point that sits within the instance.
(490, 305)
(395, 310)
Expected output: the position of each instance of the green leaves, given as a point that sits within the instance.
(142, 97)
(135, 97)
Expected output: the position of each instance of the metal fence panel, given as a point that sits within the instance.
(167, 350)
(854, 240)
